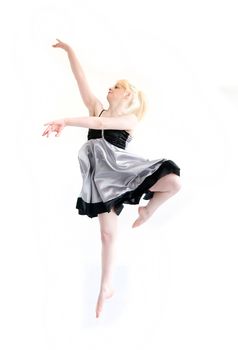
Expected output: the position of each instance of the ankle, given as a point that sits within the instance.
(148, 210)
(106, 287)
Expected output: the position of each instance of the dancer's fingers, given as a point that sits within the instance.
(45, 132)
(59, 44)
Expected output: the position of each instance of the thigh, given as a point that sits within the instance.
(166, 183)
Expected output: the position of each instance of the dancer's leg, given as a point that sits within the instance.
(164, 188)
(108, 227)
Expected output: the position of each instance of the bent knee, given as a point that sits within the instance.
(175, 183)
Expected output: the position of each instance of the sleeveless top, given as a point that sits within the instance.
(118, 138)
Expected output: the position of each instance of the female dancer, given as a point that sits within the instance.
(112, 176)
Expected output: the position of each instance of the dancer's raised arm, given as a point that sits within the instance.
(90, 100)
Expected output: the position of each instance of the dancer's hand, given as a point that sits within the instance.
(62, 45)
(55, 126)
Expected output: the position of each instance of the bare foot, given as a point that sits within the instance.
(103, 295)
(143, 216)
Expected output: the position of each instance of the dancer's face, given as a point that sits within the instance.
(116, 93)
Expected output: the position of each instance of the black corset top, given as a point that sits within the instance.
(117, 138)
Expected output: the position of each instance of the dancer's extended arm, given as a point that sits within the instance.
(117, 123)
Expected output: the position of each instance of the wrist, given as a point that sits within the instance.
(69, 50)
(66, 121)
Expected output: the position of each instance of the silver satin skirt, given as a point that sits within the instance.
(112, 176)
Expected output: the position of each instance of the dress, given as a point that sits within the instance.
(112, 176)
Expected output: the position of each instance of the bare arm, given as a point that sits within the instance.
(117, 123)
(90, 100)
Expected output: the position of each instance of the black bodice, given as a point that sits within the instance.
(115, 137)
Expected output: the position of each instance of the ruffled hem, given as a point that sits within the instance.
(130, 197)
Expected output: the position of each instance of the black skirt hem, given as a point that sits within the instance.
(130, 197)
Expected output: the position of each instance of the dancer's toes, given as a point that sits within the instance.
(103, 295)
(99, 308)
(143, 216)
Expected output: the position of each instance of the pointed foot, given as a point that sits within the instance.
(143, 216)
(103, 295)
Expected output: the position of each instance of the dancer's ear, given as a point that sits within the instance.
(127, 94)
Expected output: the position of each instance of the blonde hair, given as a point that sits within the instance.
(137, 104)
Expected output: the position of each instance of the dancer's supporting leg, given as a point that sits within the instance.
(108, 227)
(164, 188)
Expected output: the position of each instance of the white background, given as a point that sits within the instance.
(176, 276)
